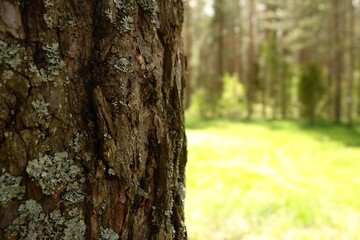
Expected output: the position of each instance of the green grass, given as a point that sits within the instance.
(272, 180)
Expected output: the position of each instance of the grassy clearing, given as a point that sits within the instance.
(272, 180)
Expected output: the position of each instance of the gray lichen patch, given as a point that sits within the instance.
(74, 229)
(77, 142)
(10, 188)
(10, 54)
(111, 172)
(148, 5)
(33, 223)
(73, 194)
(151, 7)
(51, 17)
(126, 25)
(124, 6)
(53, 173)
(110, 15)
(36, 76)
(108, 234)
(42, 111)
(30, 209)
(7, 75)
(122, 65)
(49, 20)
(53, 54)
(48, 3)
(55, 63)
(119, 4)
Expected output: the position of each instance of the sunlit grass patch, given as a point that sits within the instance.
(272, 180)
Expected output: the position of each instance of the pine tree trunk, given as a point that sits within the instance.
(188, 50)
(250, 74)
(92, 142)
(338, 61)
(352, 58)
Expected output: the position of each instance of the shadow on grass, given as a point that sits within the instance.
(349, 136)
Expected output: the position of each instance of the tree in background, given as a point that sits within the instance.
(311, 90)
(338, 64)
(351, 48)
(267, 43)
(250, 76)
(92, 142)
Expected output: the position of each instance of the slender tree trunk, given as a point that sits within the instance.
(267, 76)
(351, 67)
(338, 60)
(92, 142)
(240, 42)
(284, 68)
(264, 93)
(235, 33)
(188, 46)
(250, 76)
(330, 77)
(284, 86)
(220, 38)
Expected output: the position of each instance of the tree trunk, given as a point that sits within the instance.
(188, 50)
(338, 61)
(352, 58)
(92, 142)
(330, 93)
(250, 75)
(220, 27)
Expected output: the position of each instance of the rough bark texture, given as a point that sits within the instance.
(92, 142)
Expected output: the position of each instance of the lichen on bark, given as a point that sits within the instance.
(10, 188)
(33, 223)
(53, 173)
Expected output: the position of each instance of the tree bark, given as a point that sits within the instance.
(92, 142)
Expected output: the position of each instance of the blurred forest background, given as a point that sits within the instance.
(273, 119)
(274, 59)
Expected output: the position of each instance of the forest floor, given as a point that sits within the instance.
(268, 180)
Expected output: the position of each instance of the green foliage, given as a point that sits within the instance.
(199, 106)
(310, 91)
(232, 98)
(228, 105)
